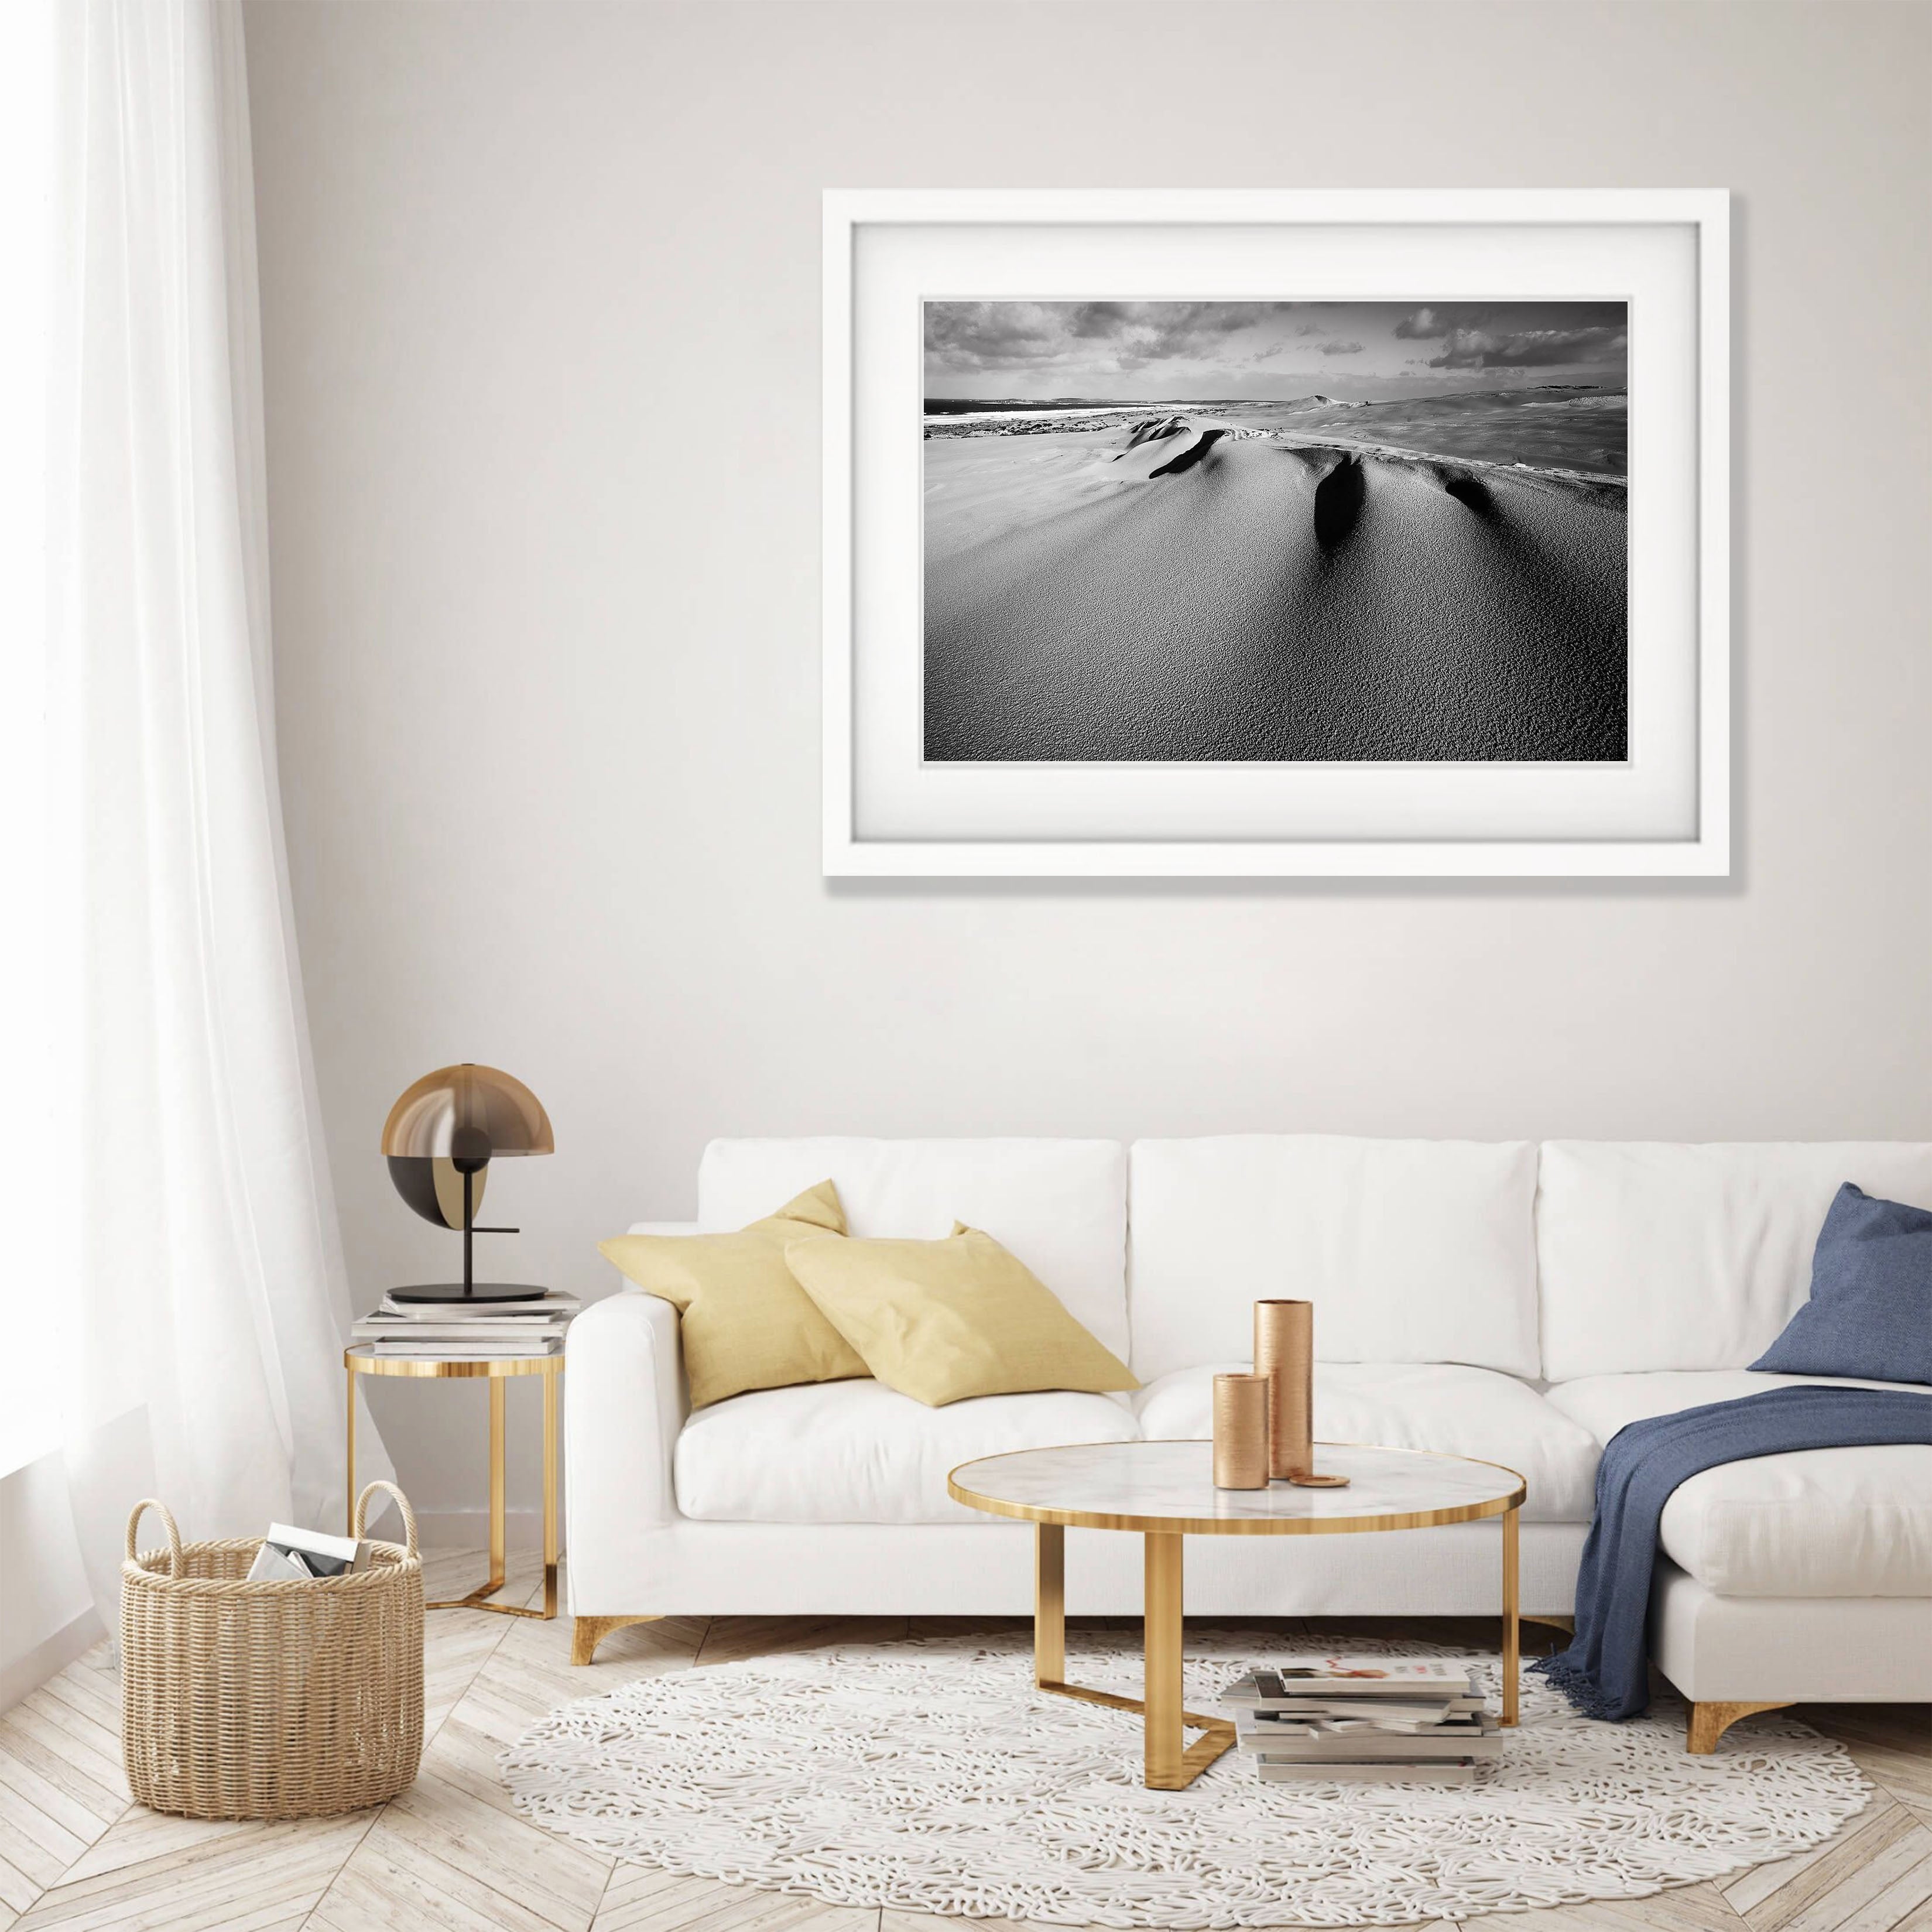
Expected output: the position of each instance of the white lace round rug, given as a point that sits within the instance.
(930, 1776)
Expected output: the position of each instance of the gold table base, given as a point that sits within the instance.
(1170, 1763)
(360, 1361)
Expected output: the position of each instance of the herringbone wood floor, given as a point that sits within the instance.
(451, 1851)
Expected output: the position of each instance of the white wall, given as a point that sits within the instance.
(46, 1614)
(540, 290)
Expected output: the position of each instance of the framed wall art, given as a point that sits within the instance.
(1260, 532)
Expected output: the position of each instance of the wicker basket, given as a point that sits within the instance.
(269, 1700)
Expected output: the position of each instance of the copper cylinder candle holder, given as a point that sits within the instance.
(1241, 1432)
(1285, 1355)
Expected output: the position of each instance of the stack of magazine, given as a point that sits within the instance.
(469, 1331)
(1419, 1720)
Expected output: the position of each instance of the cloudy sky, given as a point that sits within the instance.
(1176, 351)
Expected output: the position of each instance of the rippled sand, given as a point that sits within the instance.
(1211, 592)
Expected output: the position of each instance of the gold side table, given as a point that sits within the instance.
(363, 1361)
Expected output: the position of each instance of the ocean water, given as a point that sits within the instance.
(1583, 430)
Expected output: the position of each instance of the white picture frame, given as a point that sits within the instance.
(1665, 811)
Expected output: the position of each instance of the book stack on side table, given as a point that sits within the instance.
(474, 1332)
(1415, 1721)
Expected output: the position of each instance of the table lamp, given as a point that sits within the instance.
(439, 1140)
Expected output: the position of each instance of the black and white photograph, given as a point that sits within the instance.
(1275, 531)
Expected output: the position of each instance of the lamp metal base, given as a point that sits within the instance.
(453, 1292)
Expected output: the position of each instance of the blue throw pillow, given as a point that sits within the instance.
(1870, 1310)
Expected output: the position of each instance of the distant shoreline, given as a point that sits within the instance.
(1574, 431)
(966, 409)
(998, 414)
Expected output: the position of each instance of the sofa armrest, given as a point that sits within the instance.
(625, 1406)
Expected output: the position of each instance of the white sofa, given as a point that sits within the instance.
(1506, 1300)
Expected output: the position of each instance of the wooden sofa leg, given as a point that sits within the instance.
(1709, 1722)
(589, 1632)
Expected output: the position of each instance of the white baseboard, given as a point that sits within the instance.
(470, 1528)
(25, 1675)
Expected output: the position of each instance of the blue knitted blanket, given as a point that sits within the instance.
(1603, 1673)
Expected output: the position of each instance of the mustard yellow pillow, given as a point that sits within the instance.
(745, 1322)
(940, 1320)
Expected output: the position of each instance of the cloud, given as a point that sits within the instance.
(980, 335)
(967, 337)
(995, 334)
(1518, 335)
(1114, 347)
(1529, 348)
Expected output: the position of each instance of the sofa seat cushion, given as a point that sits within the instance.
(860, 1452)
(1814, 1523)
(1458, 1412)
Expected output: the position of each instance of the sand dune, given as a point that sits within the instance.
(1192, 590)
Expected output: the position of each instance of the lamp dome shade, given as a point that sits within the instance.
(467, 1115)
(434, 1189)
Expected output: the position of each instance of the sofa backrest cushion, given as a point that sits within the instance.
(1657, 1256)
(1059, 1205)
(1411, 1251)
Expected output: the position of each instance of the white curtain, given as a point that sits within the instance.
(207, 1289)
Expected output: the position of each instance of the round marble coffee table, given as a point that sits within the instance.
(1165, 1490)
